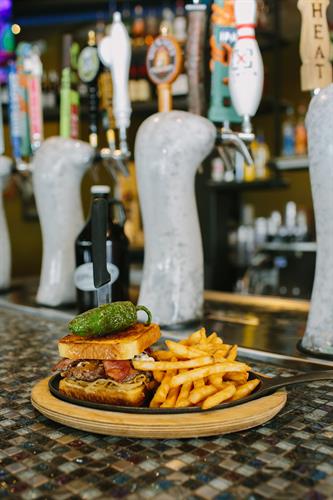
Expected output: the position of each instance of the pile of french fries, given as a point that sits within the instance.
(198, 371)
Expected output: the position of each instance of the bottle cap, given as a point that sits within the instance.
(100, 189)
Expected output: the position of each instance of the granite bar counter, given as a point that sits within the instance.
(291, 456)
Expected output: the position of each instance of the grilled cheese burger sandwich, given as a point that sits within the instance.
(99, 369)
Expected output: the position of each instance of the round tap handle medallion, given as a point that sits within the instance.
(88, 64)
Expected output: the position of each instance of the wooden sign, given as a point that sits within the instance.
(316, 69)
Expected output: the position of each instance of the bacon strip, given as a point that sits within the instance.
(118, 370)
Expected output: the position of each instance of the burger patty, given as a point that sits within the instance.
(87, 370)
(90, 370)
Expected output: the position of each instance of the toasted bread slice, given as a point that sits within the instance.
(105, 391)
(118, 346)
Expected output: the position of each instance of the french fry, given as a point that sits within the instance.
(212, 337)
(205, 371)
(183, 403)
(183, 351)
(239, 378)
(199, 383)
(158, 376)
(162, 391)
(217, 341)
(198, 394)
(203, 334)
(232, 354)
(245, 389)
(197, 336)
(173, 365)
(210, 348)
(164, 388)
(162, 355)
(184, 392)
(217, 381)
(221, 352)
(154, 403)
(171, 399)
(218, 398)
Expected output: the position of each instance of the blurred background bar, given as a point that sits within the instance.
(257, 221)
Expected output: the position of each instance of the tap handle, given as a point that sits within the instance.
(164, 60)
(14, 110)
(88, 70)
(194, 56)
(246, 70)
(105, 85)
(115, 53)
(34, 68)
(316, 69)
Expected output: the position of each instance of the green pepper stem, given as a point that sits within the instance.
(146, 310)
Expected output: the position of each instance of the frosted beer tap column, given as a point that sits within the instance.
(5, 252)
(168, 151)
(246, 71)
(58, 167)
(316, 73)
(319, 121)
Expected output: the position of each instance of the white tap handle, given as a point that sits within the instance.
(245, 12)
(115, 53)
(246, 74)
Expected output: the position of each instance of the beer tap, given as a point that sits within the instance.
(34, 70)
(164, 60)
(237, 75)
(228, 138)
(197, 13)
(246, 70)
(88, 69)
(105, 82)
(222, 41)
(25, 119)
(115, 53)
(19, 135)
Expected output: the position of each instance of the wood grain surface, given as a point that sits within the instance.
(208, 423)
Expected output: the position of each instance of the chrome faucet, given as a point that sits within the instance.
(227, 137)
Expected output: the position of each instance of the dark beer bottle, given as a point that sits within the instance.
(116, 250)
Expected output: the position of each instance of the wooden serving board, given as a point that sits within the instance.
(206, 423)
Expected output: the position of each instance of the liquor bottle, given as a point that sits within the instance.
(179, 23)
(261, 154)
(138, 27)
(300, 132)
(116, 252)
(288, 133)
